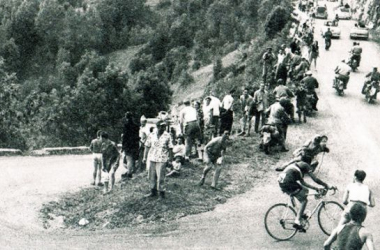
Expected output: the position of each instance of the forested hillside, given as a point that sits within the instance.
(58, 88)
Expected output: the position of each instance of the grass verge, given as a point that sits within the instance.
(244, 166)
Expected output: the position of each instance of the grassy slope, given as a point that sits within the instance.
(126, 206)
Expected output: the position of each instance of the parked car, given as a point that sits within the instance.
(333, 25)
(320, 11)
(343, 13)
(359, 31)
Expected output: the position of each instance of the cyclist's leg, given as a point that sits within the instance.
(301, 196)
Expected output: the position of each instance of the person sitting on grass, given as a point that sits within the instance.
(111, 157)
(352, 235)
(356, 193)
(179, 152)
(96, 149)
(214, 155)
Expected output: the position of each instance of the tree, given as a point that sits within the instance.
(276, 21)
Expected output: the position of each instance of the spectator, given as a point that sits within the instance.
(215, 103)
(200, 116)
(260, 98)
(282, 72)
(189, 126)
(283, 92)
(356, 193)
(352, 235)
(96, 149)
(268, 62)
(179, 152)
(209, 129)
(314, 54)
(214, 155)
(143, 134)
(159, 151)
(227, 116)
(279, 118)
(130, 145)
(248, 110)
(110, 157)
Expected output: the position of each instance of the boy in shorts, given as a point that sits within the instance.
(292, 183)
(111, 157)
(96, 149)
(213, 155)
(356, 193)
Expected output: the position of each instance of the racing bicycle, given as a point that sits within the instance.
(279, 219)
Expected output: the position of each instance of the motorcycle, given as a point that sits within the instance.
(370, 90)
(310, 100)
(339, 86)
(270, 137)
(353, 63)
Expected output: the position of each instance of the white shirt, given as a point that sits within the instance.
(215, 103)
(207, 113)
(358, 192)
(187, 114)
(343, 68)
(227, 102)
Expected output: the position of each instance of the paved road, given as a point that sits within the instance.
(354, 138)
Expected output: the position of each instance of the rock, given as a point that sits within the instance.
(83, 222)
(139, 218)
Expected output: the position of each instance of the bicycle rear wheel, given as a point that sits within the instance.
(329, 215)
(279, 221)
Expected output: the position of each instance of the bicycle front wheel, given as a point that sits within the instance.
(329, 215)
(279, 221)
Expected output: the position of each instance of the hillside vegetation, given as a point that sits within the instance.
(57, 84)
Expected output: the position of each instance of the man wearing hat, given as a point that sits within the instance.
(159, 151)
(343, 72)
(311, 84)
(189, 125)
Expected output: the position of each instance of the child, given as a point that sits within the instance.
(95, 147)
(179, 152)
(356, 193)
(111, 157)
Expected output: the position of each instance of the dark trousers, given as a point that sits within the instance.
(226, 121)
(259, 115)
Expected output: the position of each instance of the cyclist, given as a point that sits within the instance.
(291, 182)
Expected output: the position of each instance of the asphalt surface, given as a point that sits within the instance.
(354, 139)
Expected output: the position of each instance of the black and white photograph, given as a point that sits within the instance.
(189, 124)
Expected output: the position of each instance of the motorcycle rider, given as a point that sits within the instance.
(342, 72)
(356, 53)
(373, 76)
(328, 35)
(311, 84)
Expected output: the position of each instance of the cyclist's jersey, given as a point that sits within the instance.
(293, 173)
(349, 238)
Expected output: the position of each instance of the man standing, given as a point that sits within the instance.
(130, 144)
(214, 155)
(215, 103)
(260, 99)
(268, 62)
(159, 151)
(111, 157)
(311, 84)
(283, 92)
(143, 134)
(96, 149)
(227, 118)
(247, 102)
(189, 126)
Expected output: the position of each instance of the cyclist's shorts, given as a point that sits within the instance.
(299, 192)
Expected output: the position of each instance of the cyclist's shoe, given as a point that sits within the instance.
(299, 228)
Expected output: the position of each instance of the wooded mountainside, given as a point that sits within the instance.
(58, 87)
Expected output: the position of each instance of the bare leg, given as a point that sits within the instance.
(301, 211)
(216, 175)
